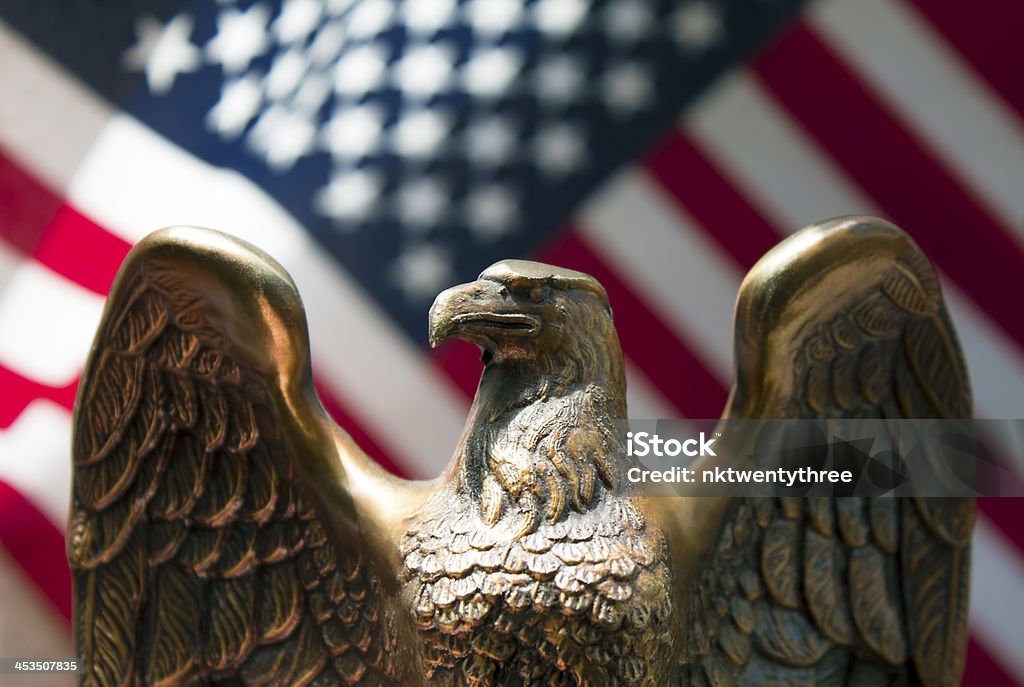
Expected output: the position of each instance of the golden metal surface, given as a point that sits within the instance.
(224, 528)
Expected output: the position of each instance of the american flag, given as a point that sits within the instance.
(385, 149)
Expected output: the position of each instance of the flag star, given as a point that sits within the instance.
(421, 203)
(489, 72)
(163, 51)
(369, 17)
(312, 94)
(297, 20)
(490, 141)
(491, 211)
(627, 21)
(240, 101)
(286, 74)
(422, 271)
(559, 80)
(327, 43)
(241, 38)
(348, 197)
(493, 18)
(697, 26)
(334, 7)
(354, 132)
(424, 70)
(360, 70)
(559, 149)
(424, 18)
(627, 88)
(282, 136)
(420, 133)
(559, 17)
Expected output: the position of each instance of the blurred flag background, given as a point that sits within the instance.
(383, 150)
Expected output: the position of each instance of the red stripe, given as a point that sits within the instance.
(895, 169)
(337, 410)
(667, 361)
(37, 546)
(697, 185)
(38, 223)
(19, 392)
(987, 33)
(1007, 514)
(982, 669)
(79, 249)
(26, 206)
(460, 360)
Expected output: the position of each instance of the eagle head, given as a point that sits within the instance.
(538, 437)
(529, 316)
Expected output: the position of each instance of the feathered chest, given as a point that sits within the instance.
(582, 601)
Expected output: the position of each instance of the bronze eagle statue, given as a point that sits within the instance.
(225, 530)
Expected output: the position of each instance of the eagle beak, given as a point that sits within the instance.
(482, 312)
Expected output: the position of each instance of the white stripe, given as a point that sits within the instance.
(133, 181)
(47, 119)
(766, 155)
(667, 258)
(643, 398)
(1006, 441)
(967, 125)
(46, 324)
(35, 458)
(997, 596)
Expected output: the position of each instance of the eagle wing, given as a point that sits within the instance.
(202, 543)
(844, 319)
